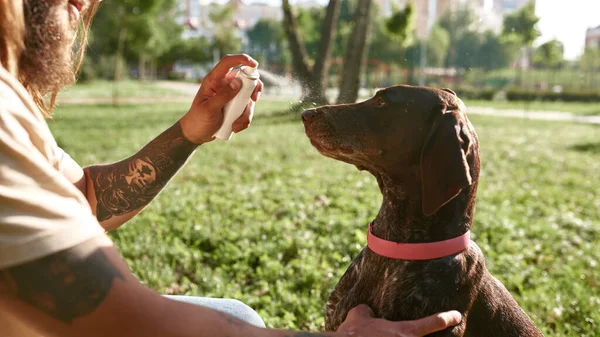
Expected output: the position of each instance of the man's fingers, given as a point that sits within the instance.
(227, 63)
(437, 322)
(256, 93)
(214, 79)
(360, 311)
(224, 95)
(231, 75)
(245, 119)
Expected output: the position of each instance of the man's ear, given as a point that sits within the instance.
(444, 167)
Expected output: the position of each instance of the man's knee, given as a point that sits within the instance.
(245, 313)
(231, 307)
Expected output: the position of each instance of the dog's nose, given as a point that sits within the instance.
(308, 115)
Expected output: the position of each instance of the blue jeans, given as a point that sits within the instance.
(234, 308)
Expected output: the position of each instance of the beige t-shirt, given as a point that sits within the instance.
(41, 212)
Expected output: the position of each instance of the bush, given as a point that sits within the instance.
(529, 95)
(566, 96)
(476, 94)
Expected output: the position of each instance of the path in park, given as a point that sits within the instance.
(290, 93)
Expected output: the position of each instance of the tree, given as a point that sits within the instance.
(395, 30)
(267, 39)
(313, 79)
(193, 50)
(355, 54)
(549, 55)
(520, 26)
(225, 39)
(457, 22)
(496, 52)
(134, 30)
(437, 46)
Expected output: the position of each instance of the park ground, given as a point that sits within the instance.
(266, 219)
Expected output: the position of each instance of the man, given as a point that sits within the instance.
(59, 273)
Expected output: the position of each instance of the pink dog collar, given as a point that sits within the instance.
(417, 251)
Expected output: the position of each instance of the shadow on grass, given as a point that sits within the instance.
(587, 147)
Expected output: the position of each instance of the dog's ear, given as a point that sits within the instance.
(444, 167)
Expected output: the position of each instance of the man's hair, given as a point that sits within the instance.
(12, 44)
(12, 34)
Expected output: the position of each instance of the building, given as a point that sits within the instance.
(248, 14)
(508, 6)
(592, 38)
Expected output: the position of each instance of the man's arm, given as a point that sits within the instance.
(88, 291)
(116, 192)
(119, 191)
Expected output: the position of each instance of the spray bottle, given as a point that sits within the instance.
(235, 108)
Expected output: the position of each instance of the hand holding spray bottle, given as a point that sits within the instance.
(235, 108)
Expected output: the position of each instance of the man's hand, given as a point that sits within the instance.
(205, 117)
(360, 322)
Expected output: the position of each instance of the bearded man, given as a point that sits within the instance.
(59, 273)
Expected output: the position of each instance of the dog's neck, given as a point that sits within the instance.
(401, 219)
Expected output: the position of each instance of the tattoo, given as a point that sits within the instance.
(131, 184)
(63, 285)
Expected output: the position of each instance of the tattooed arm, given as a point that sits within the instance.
(88, 291)
(118, 191)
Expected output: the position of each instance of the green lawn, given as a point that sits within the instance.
(570, 107)
(126, 88)
(264, 218)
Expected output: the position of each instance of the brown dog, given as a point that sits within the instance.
(424, 152)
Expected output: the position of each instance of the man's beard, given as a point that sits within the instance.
(46, 64)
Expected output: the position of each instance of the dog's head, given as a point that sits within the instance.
(417, 139)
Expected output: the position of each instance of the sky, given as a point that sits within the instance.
(567, 21)
(564, 20)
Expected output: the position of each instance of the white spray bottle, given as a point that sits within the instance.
(235, 108)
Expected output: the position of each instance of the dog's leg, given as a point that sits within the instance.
(338, 304)
(495, 313)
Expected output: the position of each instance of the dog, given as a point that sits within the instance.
(424, 153)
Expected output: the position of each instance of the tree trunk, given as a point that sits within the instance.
(313, 80)
(118, 57)
(320, 71)
(120, 50)
(354, 61)
(299, 54)
(142, 68)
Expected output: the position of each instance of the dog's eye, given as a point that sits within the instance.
(379, 101)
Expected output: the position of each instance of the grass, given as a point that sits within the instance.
(570, 107)
(265, 219)
(125, 88)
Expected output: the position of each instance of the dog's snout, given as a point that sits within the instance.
(308, 115)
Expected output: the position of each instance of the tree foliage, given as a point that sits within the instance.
(549, 55)
(225, 39)
(590, 60)
(522, 24)
(267, 42)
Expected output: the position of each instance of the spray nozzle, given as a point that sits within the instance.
(251, 72)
